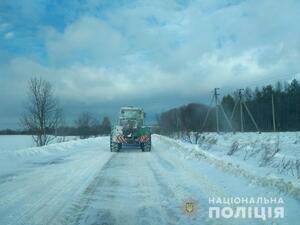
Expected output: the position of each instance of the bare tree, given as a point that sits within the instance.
(42, 115)
(106, 126)
(85, 124)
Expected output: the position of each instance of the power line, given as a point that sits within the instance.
(242, 105)
(241, 109)
(216, 94)
(215, 100)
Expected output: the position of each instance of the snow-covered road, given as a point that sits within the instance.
(82, 182)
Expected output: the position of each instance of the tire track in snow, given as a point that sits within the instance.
(181, 182)
(192, 184)
(39, 197)
(76, 212)
(100, 202)
(150, 198)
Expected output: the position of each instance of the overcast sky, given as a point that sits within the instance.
(103, 54)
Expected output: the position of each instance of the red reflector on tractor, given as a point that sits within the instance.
(144, 138)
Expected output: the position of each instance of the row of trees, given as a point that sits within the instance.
(259, 102)
(185, 118)
(43, 116)
(286, 98)
(87, 125)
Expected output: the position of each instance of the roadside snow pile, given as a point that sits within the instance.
(268, 159)
(275, 153)
(13, 161)
(9, 143)
(51, 148)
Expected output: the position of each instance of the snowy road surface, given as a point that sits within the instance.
(82, 182)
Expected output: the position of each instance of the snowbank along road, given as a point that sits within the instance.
(82, 182)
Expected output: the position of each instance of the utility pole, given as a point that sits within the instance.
(273, 114)
(177, 122)
(216, 94)
(241, 109)
(243, 105)
(217, 105)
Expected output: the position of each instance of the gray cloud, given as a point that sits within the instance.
(86, 40)
(152, 53)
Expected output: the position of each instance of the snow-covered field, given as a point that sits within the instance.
(275, 156)
(82, 182)
(15, 142)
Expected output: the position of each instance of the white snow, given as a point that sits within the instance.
(268, 158)
(36, 183)
(15, 142)
(82, 182)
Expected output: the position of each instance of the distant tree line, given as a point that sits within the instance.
(185, 118)
(43, 119)
(83, 127)
(86, 125)
(286, 97)
(259, 101)
(15, 132)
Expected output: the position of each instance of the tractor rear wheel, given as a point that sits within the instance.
(146, 147)
(114, 146)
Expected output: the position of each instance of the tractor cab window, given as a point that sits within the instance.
(131, 114)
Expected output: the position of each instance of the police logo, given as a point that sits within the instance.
(189, 207)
